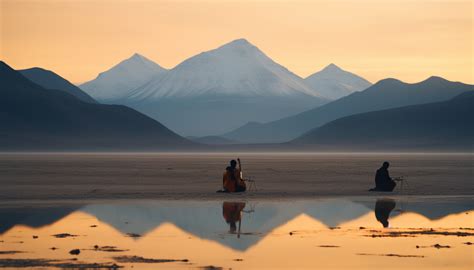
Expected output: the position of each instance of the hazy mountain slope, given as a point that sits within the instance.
(222, 89)
(36, 118)
(441, 125)
(211, 140)
(385, 94)
(333, 82)
(50, 80)
(115, 83)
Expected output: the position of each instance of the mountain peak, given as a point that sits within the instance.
(333, 82)
(240, 43)
(125, 76)
(430, 80)
(136, 55)
(7, 73)
(50, 80)
(389, 81)
(332, 67)
(434, 79)
(133, 61)
(39, 70)
(235, 68)
(5, 68)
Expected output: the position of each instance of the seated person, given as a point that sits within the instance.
(232, 180)
(383, 182)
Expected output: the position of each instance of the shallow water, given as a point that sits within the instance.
(340, 233)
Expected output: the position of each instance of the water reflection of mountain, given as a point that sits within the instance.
(32, 217)
(206, 220)
(434, 208)
(203, 219)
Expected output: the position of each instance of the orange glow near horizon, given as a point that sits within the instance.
(278, 249)
(409, 39)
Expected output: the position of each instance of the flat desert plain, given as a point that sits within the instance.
(63, 176)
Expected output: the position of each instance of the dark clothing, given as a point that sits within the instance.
(240, 188)
(383, 182)
(383, 207)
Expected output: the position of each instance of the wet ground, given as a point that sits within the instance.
(409, 232)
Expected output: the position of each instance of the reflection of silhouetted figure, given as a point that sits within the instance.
(383, 207)
(232, 212)
(383, 182)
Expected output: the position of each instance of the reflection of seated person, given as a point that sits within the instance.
(383, 181)
(383, 208)
(232, 180)
(232, 212)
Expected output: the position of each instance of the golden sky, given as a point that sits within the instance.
(406, 39)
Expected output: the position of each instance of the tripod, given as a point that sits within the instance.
(252, 185)
(403, 183)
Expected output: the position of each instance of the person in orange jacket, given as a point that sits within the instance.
(232, 179)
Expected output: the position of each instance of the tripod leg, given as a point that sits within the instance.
(238, 233)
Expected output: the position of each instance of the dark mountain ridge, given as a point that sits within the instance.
(35, 118)
(385, 94)
(441, 125)
(50, 80)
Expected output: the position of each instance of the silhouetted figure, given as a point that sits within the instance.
(232, 212)
(383, 182)
(383, 208)
(232, 180)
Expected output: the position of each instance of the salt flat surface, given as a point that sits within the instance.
(65, 176)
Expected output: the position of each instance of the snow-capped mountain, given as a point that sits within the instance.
(115, 83)
(333, 82)
(222, 89)
(234, 69)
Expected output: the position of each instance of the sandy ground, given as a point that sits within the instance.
(197, 176)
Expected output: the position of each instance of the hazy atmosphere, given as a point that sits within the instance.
(409, 39)
(212, 135)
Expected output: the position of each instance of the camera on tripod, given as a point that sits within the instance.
(399, 179)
